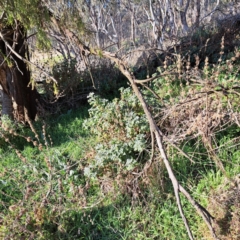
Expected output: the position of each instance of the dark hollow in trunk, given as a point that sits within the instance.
(15, 75)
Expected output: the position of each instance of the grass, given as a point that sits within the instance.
(76, 208)
(44, 193)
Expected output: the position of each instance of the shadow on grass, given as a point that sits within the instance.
(120, 221)
(68, 126)
(94, 224)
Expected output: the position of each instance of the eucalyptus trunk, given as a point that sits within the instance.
(183, 15)
(198, 13)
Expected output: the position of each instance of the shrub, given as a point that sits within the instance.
(121, 128)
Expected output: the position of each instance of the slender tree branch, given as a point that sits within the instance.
(153, 78)
(179, 149)
(152, 91)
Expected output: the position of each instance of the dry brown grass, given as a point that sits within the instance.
(224, 204)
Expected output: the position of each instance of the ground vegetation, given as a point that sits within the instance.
(149, 161)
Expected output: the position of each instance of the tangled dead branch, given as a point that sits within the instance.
(159, 138)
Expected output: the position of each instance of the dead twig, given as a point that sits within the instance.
(159, 136)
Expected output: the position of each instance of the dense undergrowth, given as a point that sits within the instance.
(94, 173)
(59, 202)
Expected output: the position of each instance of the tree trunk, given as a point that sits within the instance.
(198, 12)
(15, 77)
(7, 108)
(183, 17)
(133, 27)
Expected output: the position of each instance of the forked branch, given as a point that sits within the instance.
(159, 136)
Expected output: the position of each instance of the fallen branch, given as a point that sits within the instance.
(153, 128)
(159, 136)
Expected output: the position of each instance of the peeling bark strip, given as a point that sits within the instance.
(15, 76)
(7, 108)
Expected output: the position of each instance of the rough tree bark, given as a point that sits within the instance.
(15, 75)
(183, 12)
(198, 13)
